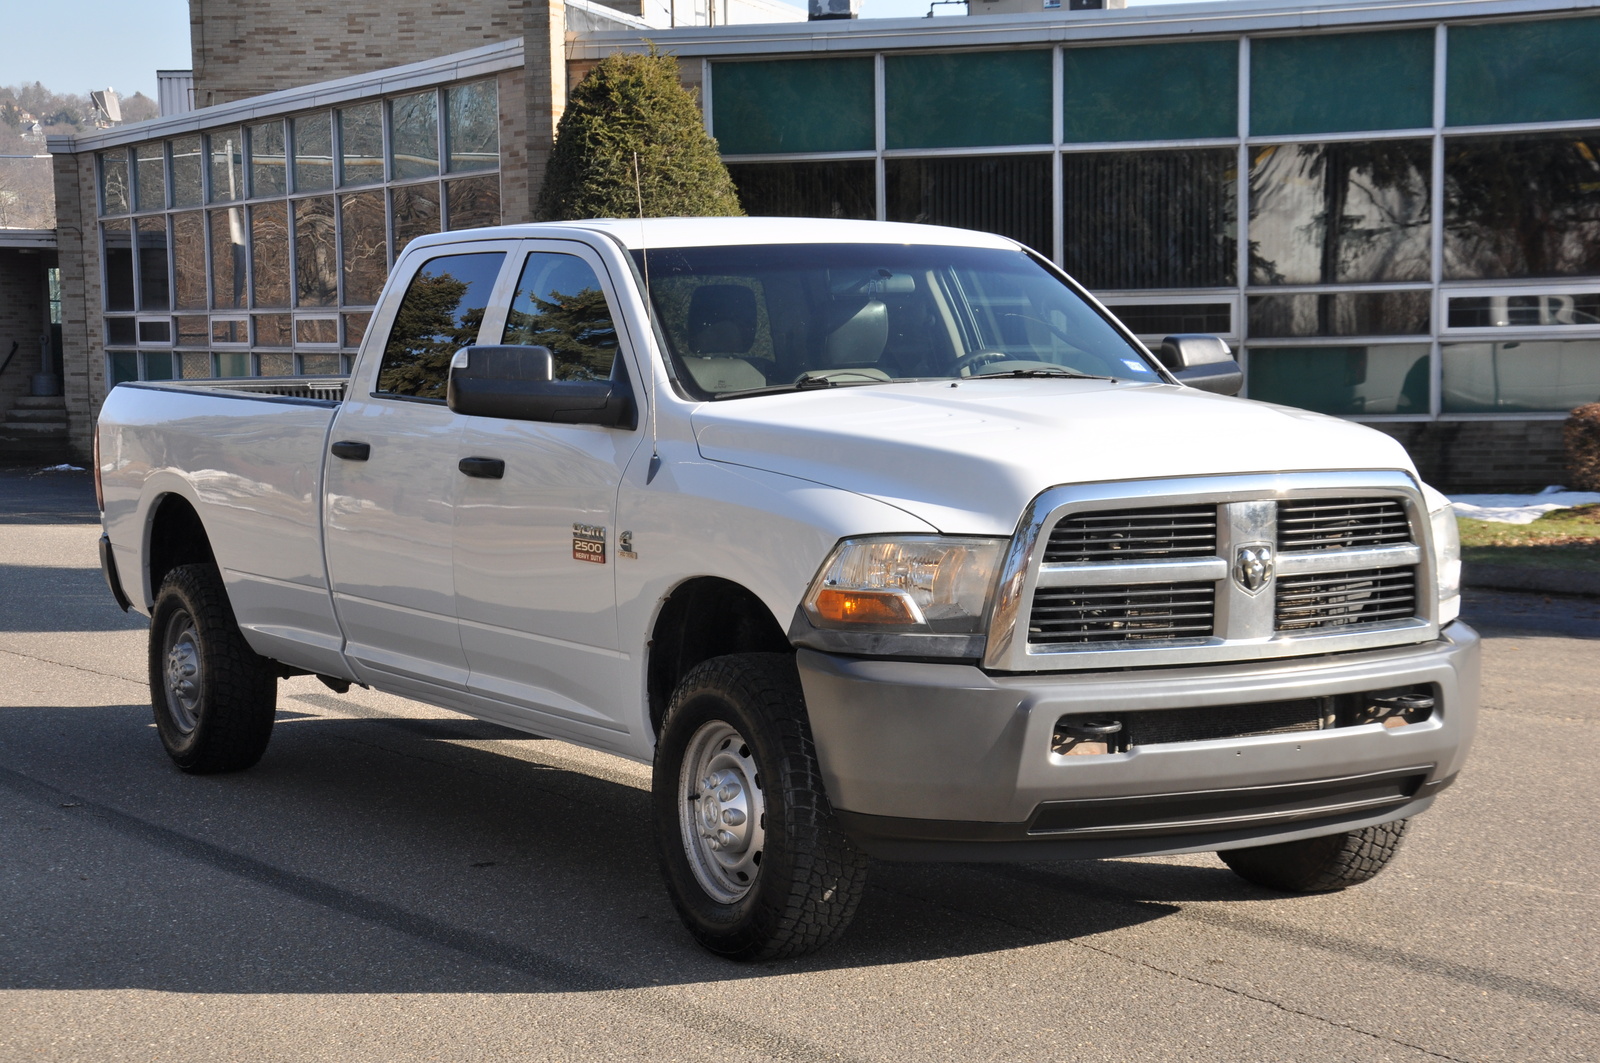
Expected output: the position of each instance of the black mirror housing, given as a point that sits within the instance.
(1202, 362)
(516, 383)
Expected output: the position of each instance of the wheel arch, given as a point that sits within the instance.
(175, 536)
(702, 618)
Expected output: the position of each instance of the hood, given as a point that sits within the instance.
(968, 458)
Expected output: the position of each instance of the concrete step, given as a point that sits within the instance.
(37, 415)
(33, 430)
(40, 402)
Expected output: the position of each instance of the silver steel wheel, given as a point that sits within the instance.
(721, 815)
(183, 672)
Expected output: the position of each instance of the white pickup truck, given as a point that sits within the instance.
(875, 539)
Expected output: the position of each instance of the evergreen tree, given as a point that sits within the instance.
(633, 104)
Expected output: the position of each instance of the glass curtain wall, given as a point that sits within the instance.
(1390, 224)
(260, 250)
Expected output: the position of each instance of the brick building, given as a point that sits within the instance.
(1389, 208)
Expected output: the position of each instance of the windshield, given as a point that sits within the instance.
(743, 319)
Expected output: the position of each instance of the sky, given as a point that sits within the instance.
(79, 45)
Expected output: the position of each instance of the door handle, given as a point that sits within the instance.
(483, 468)
(350, 450)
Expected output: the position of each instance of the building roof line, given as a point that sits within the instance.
(458, 66)
(1167, 20)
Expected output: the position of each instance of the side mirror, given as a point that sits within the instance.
(517, 384)
(1203, 362)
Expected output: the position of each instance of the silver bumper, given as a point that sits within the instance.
(928, 760)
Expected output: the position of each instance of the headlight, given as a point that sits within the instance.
(1446, 554)
(934, 591)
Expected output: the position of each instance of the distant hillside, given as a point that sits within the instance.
(63, 112)
(29, 113)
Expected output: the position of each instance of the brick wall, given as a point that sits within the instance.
(22, 318)
(1484, 456)
(243, 48)
(78, 245)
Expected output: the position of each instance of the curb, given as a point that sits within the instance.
(1528, 578)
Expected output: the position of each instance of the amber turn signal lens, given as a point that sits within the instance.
(865, 607)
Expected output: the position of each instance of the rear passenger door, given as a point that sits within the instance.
(536, 548)
(392, 480)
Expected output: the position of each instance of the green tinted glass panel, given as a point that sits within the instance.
(158, 365)
(124, 367)
(1343, 380)
(1341, 82)
(1151, 92)
(967, 100)
(794, 105)
(1523, 72)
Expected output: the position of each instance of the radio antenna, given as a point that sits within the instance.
(649, 312)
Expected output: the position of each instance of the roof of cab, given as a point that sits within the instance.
(637, 233)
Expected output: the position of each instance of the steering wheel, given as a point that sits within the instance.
(968, 362)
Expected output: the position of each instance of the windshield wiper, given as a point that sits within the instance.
(805, 383)
(1073, 373)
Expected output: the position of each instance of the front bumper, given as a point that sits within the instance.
(945, 761)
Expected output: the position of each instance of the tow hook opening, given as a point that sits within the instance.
(1102, 733)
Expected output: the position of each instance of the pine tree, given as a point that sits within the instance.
(628, 105)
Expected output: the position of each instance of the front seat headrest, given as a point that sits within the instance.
(722, 319)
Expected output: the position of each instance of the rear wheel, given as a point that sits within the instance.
(754, 859)
(1319, 865)
(214, 697)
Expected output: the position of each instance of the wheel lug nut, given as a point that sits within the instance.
(728, 792)
(725, 838)
(732, 817)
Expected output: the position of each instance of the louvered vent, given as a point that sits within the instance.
(1342, 523)
(1137, 613)
(1337, 599)
(1162, 534)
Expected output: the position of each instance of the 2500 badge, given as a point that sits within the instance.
(589, 543)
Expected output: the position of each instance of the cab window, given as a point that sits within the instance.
(559, 304)
(440, 313)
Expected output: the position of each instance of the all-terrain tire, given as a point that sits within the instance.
(214, 697)
(1319, 865)
(788, 879)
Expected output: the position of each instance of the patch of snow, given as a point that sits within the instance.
(1520, 509)
(62, 468)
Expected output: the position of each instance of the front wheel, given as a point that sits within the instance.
(1319, 865)
(754, 859)
(214, 697)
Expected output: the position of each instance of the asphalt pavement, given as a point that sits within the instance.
(396, 882)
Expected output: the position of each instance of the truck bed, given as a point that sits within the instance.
(248, 457)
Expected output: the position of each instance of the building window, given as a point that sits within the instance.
(967, 99)
(1151, 219)
(241, 276)
(1342, 314)
(1150, 92)
(1332, 83)
(1349, 381)
(1340, 212)
(1005, 194)
(1520, 376)
(794, 105)
(841, 189)
(1522, 206)
(1523, 72)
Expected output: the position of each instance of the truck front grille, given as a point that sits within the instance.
(1341, 523)
(1338, 599)
(1140, 612)
(1227, 568)
(1135, 535)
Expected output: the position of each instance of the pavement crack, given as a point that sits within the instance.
(74, 667)
(557, 975)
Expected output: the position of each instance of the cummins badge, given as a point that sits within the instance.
(1252, 567)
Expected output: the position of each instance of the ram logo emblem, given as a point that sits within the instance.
(1252, 567)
